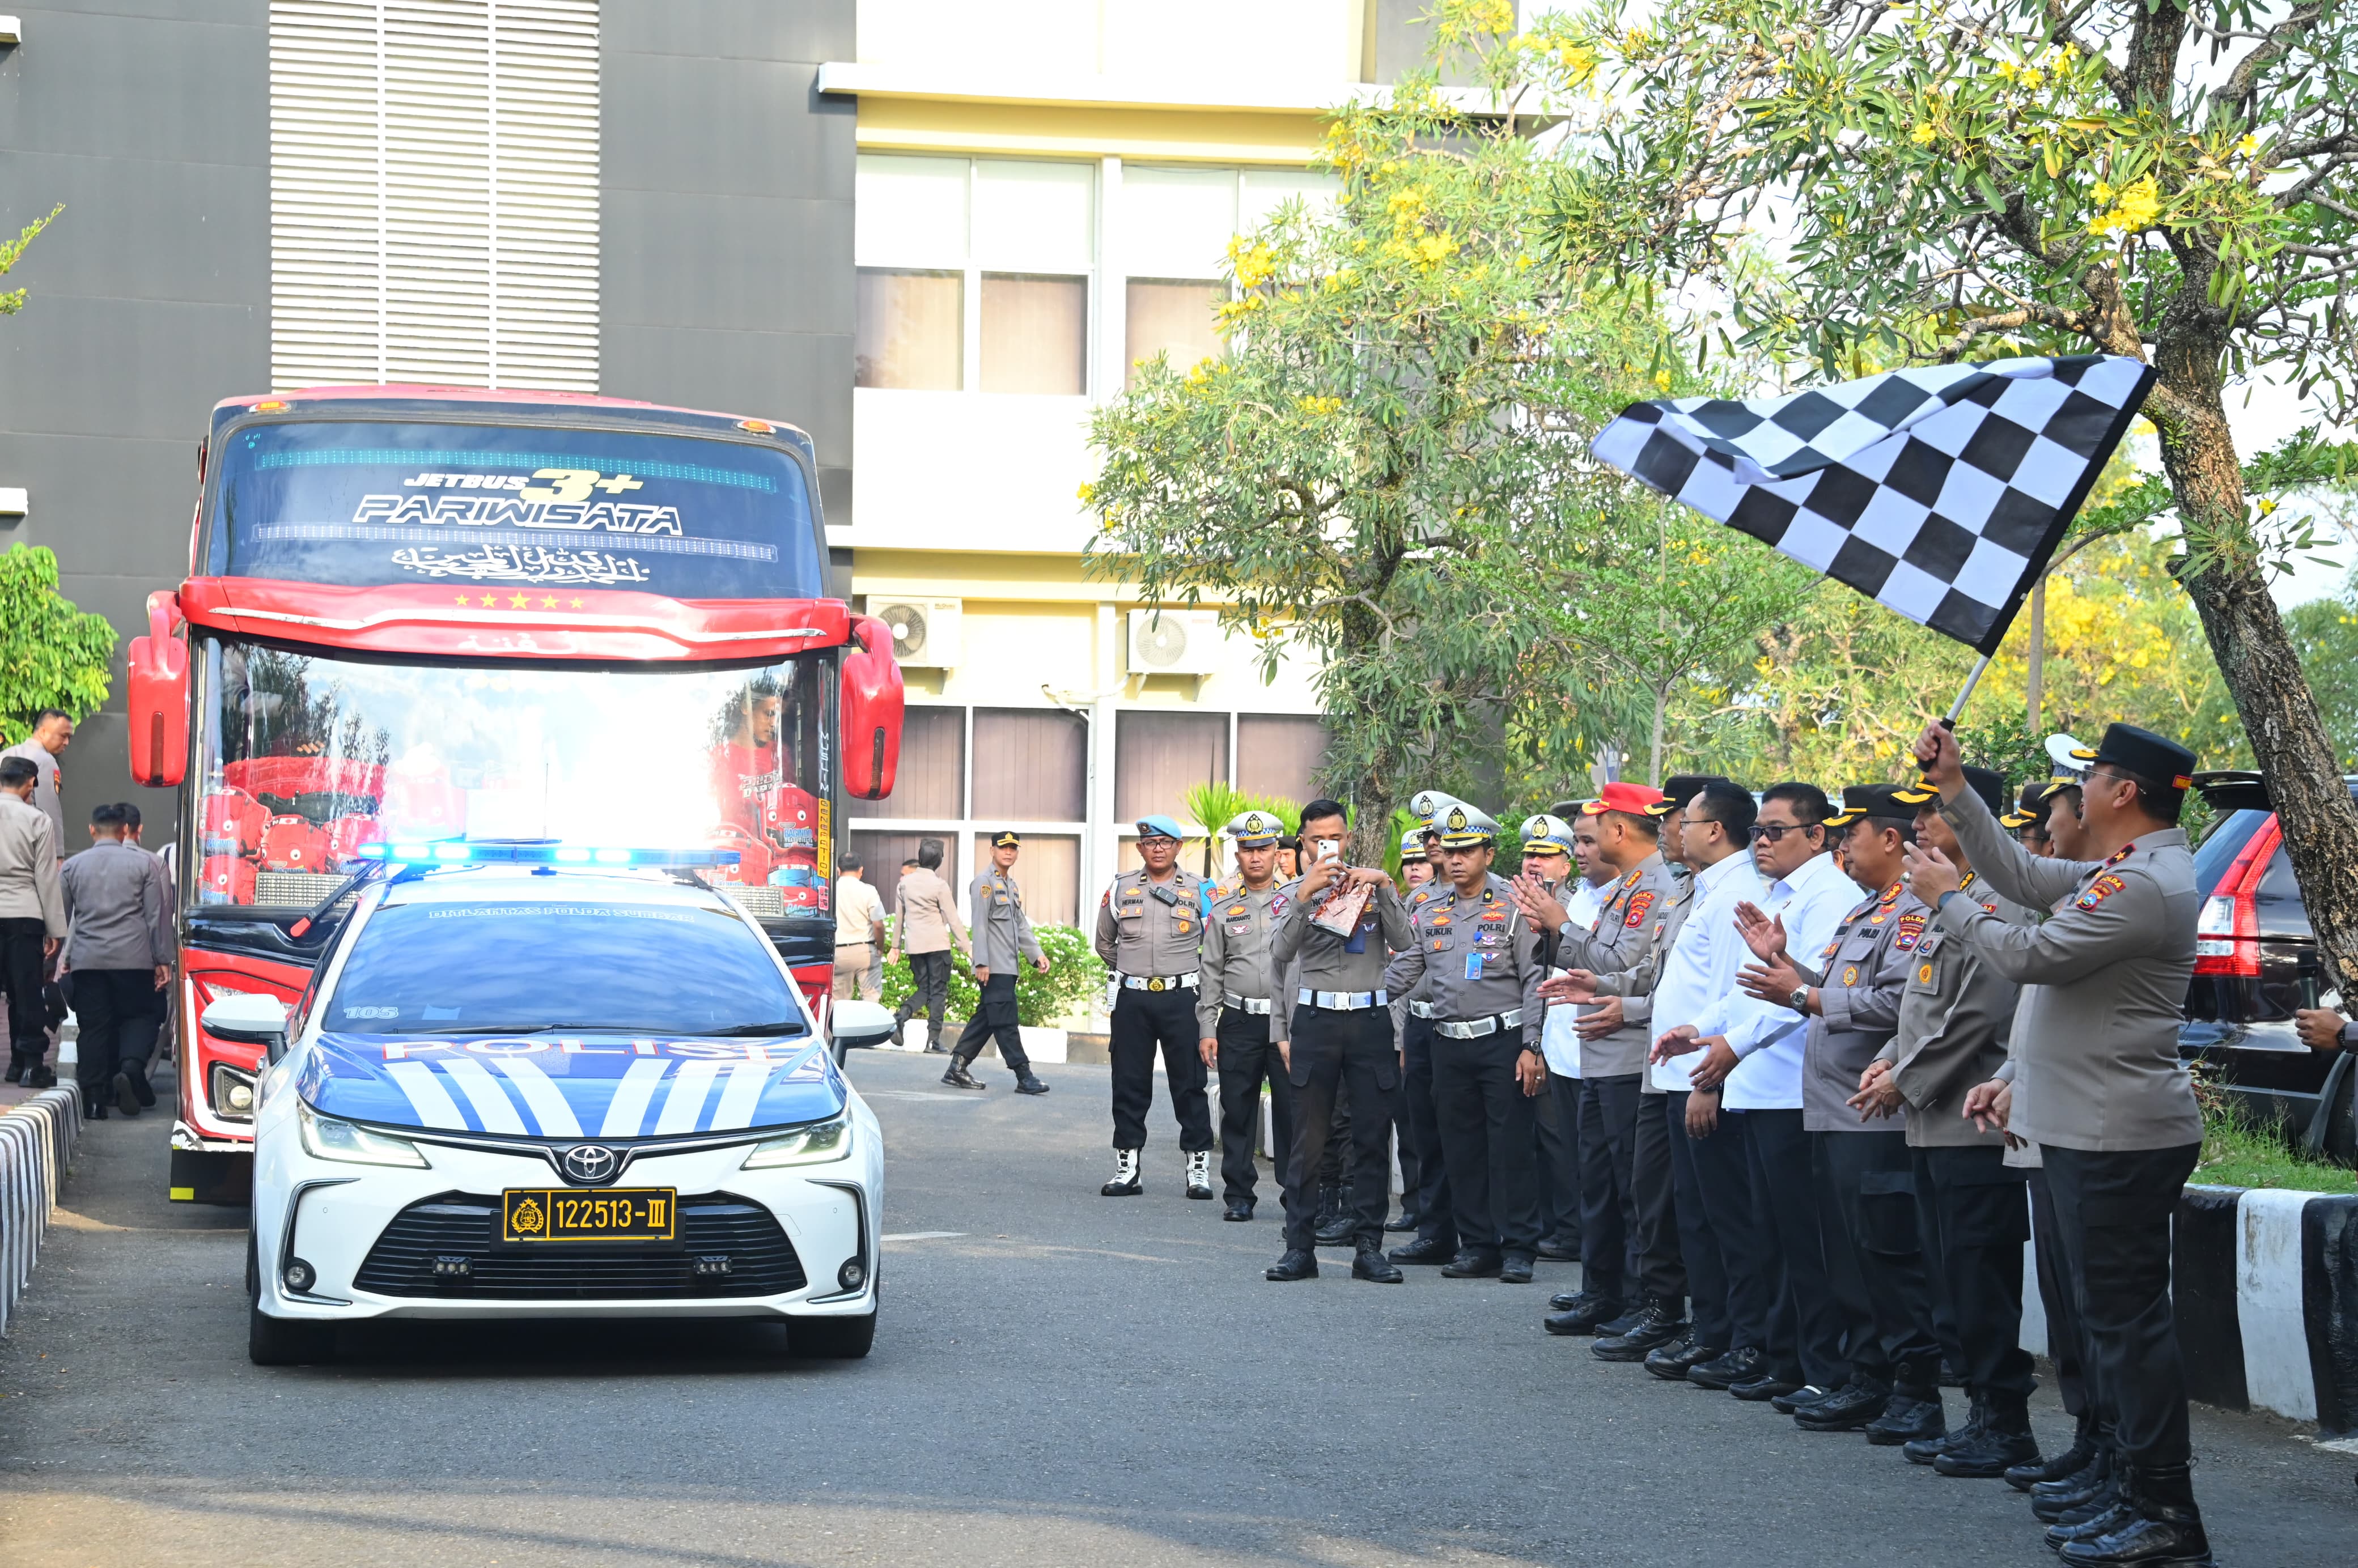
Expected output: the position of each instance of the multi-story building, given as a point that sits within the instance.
(934, 234)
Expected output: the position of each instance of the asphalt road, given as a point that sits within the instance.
(1063, 1379)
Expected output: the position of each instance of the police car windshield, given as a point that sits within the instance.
(650, 968)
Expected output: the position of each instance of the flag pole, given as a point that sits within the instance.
(1972, 680)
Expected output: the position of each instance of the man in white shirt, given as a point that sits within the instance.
(1553, 850)
(858, 932)
(1748, 1064)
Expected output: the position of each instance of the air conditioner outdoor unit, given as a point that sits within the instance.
(925, 631)
(1173, 642)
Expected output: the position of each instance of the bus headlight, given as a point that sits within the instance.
(231, 1092)
(820, 1143)
(326, 1137)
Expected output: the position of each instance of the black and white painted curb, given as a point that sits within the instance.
(2266, 1283)
(36, 1140)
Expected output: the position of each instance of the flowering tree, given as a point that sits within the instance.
(1397, 431)
(2171, 180)
(51, 654)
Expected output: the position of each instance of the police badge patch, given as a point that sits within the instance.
(2103, 887)
(1639, 904)
(1911, 926)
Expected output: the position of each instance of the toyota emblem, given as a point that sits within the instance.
(590, 1164)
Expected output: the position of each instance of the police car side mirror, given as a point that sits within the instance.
(249, 1020)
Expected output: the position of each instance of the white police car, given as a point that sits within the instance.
(535, 1081)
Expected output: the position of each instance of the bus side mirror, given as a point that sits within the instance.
(158, 697)
(872, 710)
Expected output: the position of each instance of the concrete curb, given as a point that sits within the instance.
(37, 1142)
(2266, 1285)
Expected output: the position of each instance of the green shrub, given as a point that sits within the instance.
(1074, 975)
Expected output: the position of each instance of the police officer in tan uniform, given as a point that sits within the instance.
(2099, 1086)
(1955, 1013)
(1862, 1172)
(1612, 1071)
(1478, 960)
(1149, 934)
(1002, 940)
(1436, 1222)
(1233, 1008)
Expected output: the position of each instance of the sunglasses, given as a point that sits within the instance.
(1769, 832)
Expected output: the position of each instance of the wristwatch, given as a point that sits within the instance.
(1798, 998)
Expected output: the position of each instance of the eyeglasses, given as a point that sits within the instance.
(1769, 832)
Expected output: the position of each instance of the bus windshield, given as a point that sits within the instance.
(369, 503)
(305, 757)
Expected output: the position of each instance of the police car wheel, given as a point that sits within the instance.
(278, 1341)
(831, 1338)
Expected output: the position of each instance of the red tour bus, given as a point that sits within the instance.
(419, 613)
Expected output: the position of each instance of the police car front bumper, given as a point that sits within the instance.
(331, 1215)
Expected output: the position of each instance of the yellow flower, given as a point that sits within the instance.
(2102, 192)
(1254, 265)
(2249, 146)
(1578, 64)
(1923, 134)
(2266, 506)
(1319, 406)
(1087, 493)
(1434, 249)
(2006, 68)
(2033, 80)
(1662, 380)
(2137, 204)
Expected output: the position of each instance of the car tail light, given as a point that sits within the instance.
(2227, 934)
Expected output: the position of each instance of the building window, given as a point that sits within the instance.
(975, 275)
(1036, 334)
(930, 784)
(433, 193)
(1279, 753)
(1030, 765)
(1165, 316)
(910, 331)
(1048, 870)
(1158, 757)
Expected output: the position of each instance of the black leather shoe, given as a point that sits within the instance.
(1729, 1369)
(1030, 1083)
(137, 1073)
(957, 1078)
(2055, 1468)
(1949, 1377)
(1424, 1249)
(16, 1069)
(2163, 1527)
(1299, 1263)
(1406, 1221)
(98, 1111)
(1514, 1269)
(2050, 1500)
(1338, 1231)
(1847, 1410)
(1556, 1252)
(1657, 1327)
(1581, 1312)
(1906, 1420)
(1991, 1451)
(2096, 1521)
(44, 1076)
(1673, 1361)
(1473, 1265)
(124, 1100)
(1793, 1397)
(1614, 1327)
(1239, 1211)
(1374, 1266)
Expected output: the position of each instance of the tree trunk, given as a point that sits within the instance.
(1654, 760)
(2263, 674)
(2034, 680)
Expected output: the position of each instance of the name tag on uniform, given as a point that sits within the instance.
(1473, 965)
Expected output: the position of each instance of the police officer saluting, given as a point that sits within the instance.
(1150, 932)
(1479, 962)
(1233, 1009)
(2098, 1086)
(1341, 1031)
(1002, 940)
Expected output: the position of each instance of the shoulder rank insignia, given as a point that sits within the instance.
(1911, 926)
(2123, 853)
(1631, 880)
(2103, 887)
(1891, 893)
(1639, 904)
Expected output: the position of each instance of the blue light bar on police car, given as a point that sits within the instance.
(461, 852)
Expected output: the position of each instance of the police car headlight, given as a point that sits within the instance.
(816, 1144)
(325, 1138)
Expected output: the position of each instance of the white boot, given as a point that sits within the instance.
(1125, 1182)
(1200, 1173)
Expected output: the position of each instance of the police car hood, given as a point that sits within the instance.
(571, 1086)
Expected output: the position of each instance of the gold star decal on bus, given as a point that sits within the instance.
(462, 599)
(490, 599)
(517, 601)
(576, 604)
(548, 602)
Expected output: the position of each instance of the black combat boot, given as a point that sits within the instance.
(1661, 1323)
(2164, 1528)
(2003, 1443)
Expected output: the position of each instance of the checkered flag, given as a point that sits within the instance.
(1939, 492)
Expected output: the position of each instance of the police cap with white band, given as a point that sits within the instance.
(1255, 829)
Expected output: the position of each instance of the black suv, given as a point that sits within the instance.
(2255, 964)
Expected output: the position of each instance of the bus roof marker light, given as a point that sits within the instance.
(758, 426)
